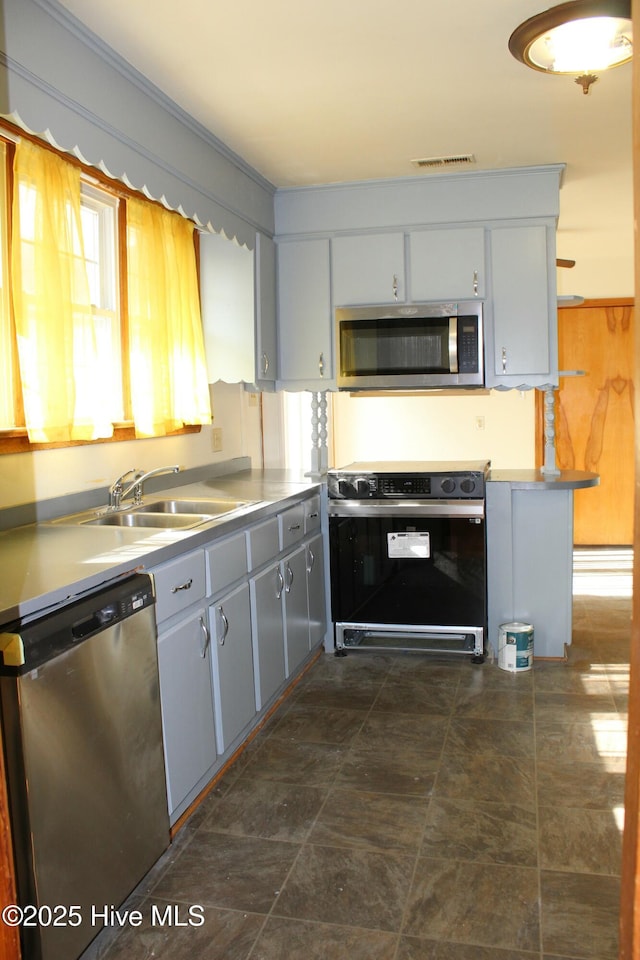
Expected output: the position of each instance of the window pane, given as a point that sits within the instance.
(8, 392)
(100, 239)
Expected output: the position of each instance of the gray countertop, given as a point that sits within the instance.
(537, 480)
(44, 564)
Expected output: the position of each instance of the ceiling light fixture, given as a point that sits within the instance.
(578, 37)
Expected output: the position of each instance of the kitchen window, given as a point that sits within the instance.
(87, 316)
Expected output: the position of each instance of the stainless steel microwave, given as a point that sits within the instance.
(410, 346)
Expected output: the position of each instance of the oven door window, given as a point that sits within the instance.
(388, 347)
(413, 571)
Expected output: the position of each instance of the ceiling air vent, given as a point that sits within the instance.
(453, 161)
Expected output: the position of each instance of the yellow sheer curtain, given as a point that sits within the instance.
(59, 364)
(167, 362)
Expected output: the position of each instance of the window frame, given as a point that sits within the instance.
(95, 186)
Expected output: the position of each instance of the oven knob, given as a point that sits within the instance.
(468, 485)
(346, 489)
(362, 487)
(448, 485)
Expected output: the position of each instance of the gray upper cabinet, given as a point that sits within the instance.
(238, 300)
(368, 269)
(266, 360)
(228, 308)
(304, 315)
(522, 339)
(447, 264)
(489, 235)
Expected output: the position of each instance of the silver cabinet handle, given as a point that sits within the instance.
(183, 586)
(289, 578)
(312, 560)
(321, 364)
(312, 516)
(504, 359)
(475, 283)
(280, 586)
(225, 626)
(205, 638)
(265, 363)
(294, 526)
(395, 286)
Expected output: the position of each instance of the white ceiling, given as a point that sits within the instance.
(311, 92)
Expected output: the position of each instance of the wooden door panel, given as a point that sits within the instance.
(594, 416)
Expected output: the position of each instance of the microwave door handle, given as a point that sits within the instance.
(453, 344)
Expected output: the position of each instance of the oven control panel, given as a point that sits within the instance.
(350, 485)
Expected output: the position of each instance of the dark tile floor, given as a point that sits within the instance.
(402, 808)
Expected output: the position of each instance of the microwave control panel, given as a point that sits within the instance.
(468, 351)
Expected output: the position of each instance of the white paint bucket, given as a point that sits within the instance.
(515, 646)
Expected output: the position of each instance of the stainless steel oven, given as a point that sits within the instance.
(408, 556)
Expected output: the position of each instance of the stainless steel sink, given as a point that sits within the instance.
(137, 519)
(212, 508)
(162, 514)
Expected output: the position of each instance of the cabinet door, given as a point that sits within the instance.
(316, 591)
(228, 308)
(268, 632)
(524, 307)
(232, 665)
(296, 611)
(187, 707)
(266, 339)
(368, 269)
(447, 264)
(304, 313)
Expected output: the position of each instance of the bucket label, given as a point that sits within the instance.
(515, 647)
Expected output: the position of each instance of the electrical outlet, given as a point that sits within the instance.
(479, 423)
(216, 439)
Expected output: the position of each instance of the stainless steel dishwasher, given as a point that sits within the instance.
(85, 764)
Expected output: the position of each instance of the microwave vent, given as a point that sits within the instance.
(455, 160)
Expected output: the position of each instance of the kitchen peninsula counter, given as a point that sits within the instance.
(537, 480)
(530, 554)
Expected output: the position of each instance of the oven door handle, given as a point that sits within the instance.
(406, 508)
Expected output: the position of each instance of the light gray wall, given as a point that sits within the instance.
(61, 82)
(58, 77)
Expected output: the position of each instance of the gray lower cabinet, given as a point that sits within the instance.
(232, 665)
(316, 594)
(530, 563)
(184, 663)
(268, 630)
(296, 615)
(236, 620)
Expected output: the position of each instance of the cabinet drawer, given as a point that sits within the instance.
(226, 563)
(263, 542)
(291, 525)
(178, 583)
(312, 514)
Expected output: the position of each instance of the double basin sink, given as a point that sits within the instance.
(163, 514)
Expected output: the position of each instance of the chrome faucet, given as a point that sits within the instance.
(118, 492)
